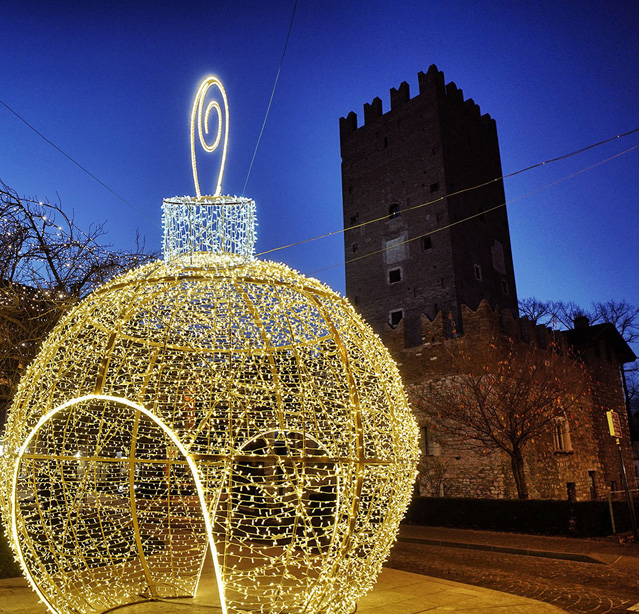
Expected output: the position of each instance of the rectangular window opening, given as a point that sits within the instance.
(561, 435)
(592, 482)
(395, 317)
(478, 272)
(429, 446)
(394, 276)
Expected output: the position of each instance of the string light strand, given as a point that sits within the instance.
(476, 215)
(458, 192)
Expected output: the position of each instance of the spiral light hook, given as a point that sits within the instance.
(200, 124)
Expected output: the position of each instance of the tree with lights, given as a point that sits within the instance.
(47, 263)
(502, 398)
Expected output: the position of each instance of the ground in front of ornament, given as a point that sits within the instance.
(396, 592)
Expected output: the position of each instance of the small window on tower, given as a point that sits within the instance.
(394, 276)
(355, 247)
(354, 219)
(393, 211)
(434, 187)
(478, 272)
(395, 317)
(427, 243)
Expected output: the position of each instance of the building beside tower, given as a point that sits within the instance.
(429, 265)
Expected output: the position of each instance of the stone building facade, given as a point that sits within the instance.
(429, 263)
(429, 171)
(577, 458)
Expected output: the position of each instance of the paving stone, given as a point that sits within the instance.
(582, 588)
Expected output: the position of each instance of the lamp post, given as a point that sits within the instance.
(614, 426)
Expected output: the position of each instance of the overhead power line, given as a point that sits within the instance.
(270, 102)
(80, 166)
(464, 191)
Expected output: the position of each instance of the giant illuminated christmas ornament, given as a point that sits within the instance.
(208, 402)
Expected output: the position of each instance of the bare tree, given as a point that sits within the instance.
(621, 314)
(538, 312)
(47, 263)
(42, 247)
(556, 314)
(503, 398)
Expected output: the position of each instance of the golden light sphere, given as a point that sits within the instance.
(209, 402)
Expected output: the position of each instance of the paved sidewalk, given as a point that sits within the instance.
(396, 592)
(401, 592)
(609, 550)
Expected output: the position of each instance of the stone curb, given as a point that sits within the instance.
(565, 556)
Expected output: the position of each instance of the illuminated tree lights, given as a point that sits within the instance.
(208, 402)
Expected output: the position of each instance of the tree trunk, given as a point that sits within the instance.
(517, 464)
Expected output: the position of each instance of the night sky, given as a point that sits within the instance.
(112, 84)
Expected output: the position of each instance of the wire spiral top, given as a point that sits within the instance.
(200, 124)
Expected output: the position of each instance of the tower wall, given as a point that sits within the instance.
(418, 259)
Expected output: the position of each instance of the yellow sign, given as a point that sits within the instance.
(614, 424)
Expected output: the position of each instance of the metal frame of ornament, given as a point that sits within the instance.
(214, 403)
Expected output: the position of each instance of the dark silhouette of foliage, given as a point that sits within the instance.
(47, 263)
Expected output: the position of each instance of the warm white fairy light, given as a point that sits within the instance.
(209, 401)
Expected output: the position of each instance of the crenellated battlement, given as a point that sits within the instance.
(373, 110)
(481, 328)
(431, 85)
(480, 324)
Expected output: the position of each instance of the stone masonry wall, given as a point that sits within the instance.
(587, 466)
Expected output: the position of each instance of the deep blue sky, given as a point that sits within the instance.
(111, 83)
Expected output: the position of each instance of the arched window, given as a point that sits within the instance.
(561, 435)
(393, 211)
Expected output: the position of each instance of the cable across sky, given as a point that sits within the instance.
(342, 230)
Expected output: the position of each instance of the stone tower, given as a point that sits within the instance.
(433, 150)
